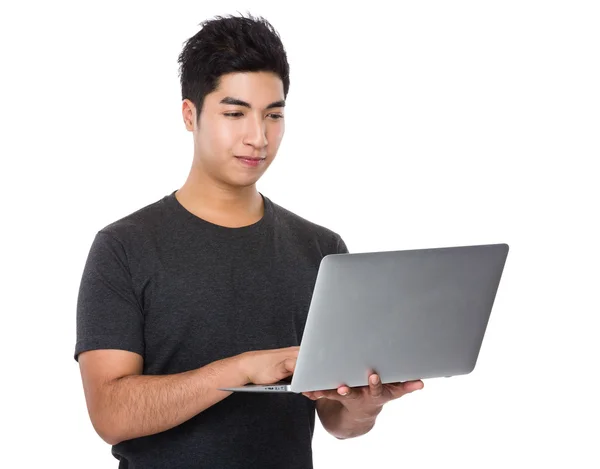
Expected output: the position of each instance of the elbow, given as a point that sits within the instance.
(107, 430)
(106, 421)
(111, 439)
(109, 435)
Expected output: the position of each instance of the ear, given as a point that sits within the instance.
(188, 111)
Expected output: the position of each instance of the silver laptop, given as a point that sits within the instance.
(406, 315)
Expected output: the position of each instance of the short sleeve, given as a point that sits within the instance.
(341, 246)
(109, 315)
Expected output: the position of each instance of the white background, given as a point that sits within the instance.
(414, 124)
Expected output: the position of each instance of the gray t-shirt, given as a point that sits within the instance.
(183, 292)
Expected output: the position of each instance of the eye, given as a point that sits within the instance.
(233, 114)
(276, 116)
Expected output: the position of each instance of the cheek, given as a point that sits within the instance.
(218, 139)
(226, 135)
(275, 136)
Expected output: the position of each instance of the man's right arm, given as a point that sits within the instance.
(124, 404)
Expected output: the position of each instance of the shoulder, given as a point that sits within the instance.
(127, 247)
(307, 231)
(136, 226)
(130, 239)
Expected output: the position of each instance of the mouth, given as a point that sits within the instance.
(250, 160)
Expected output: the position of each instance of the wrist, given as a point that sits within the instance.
(239, 363)
(363, 414)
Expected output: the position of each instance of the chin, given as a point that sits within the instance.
(242, 182)
(243, 177)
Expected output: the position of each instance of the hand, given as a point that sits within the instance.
(367, 401)
(268, 366)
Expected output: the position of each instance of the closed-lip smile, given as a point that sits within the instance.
(251, 161)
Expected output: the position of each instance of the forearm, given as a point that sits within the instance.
(343, 424)
(141, 405)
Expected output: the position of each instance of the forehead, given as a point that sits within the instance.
(257, 88)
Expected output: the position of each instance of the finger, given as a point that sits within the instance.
(375, 386)
(293, 351)
(331, 394)
(313, 395)
(411, 386)
(402, 388)
(346, 392)
(340, 394)
(289, 365)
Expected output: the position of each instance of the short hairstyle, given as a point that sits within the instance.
(227, 44)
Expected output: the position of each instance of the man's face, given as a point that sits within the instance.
(240, 129)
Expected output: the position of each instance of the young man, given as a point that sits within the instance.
(209, 287)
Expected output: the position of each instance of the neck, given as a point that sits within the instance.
(220, 204)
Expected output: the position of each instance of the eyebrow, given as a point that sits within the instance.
(239, 102)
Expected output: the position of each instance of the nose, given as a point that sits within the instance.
(256, 132)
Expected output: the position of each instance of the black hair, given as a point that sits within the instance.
(227, 44)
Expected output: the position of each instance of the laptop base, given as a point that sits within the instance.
(277, 387)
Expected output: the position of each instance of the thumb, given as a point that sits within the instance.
(288, 365)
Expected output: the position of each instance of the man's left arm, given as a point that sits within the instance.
(351, 412)
(340, 422)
